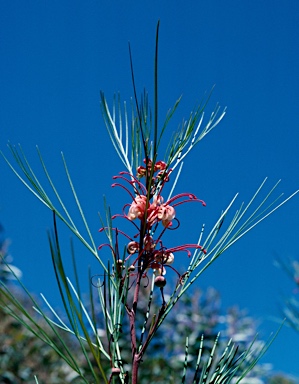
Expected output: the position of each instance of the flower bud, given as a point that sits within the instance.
(168, 258)
(132, 247)
(119, 265)
(160, 281)
(141, 171)
(131, 268)
(160, 165)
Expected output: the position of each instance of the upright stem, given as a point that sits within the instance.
(136, 356)
(135, 367)
(132, 316)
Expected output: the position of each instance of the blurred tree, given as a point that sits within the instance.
(7, 270)
(196, 315)
(281, 379)
(290, 306)
(22, 355)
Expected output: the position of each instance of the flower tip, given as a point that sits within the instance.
(203, 250)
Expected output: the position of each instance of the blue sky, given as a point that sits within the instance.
(56, 56)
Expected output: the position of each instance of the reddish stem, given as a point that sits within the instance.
(132, 317)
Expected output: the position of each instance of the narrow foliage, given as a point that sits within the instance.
(141, 254)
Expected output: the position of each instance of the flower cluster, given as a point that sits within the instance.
(155, 256)
(153, 212)
(160, 166)
(150, 209)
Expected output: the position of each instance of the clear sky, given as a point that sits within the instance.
(56, 56)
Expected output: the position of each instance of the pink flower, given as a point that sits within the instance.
(166, 213)
(141, 171)
(137, 208)
(151, 213)
(160, 165)
(165, 257)
(160, 212)
(148, 243)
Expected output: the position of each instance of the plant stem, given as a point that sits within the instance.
(135, 367)
(132, 317)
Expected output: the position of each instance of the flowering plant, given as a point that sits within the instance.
(142, 256)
